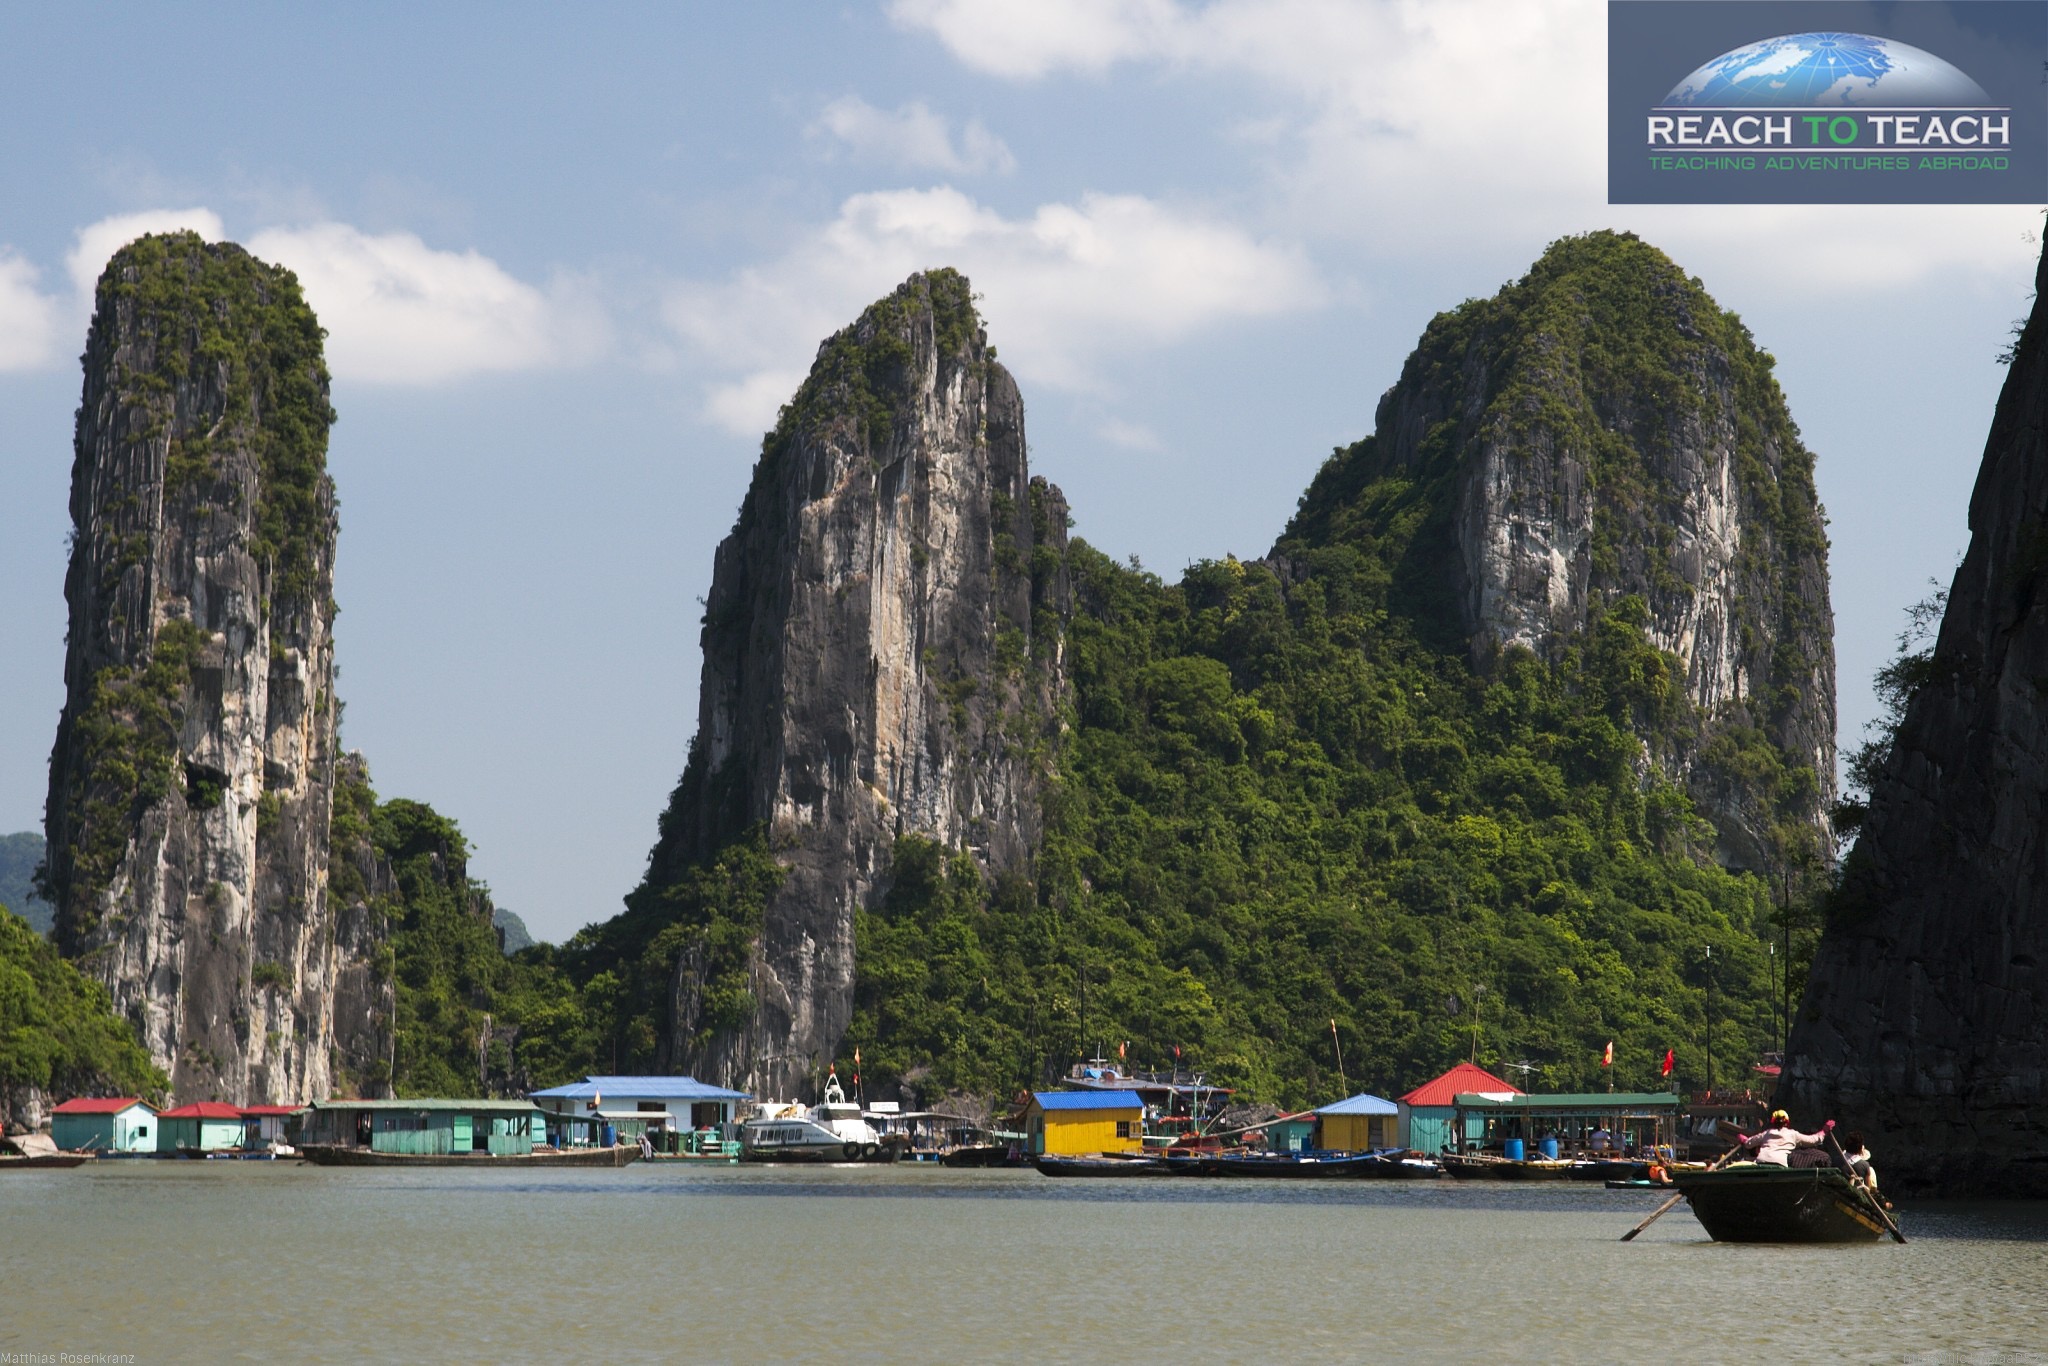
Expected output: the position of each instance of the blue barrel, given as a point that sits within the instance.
(1550, 1148)
(1511, 1149)
(607, 1136)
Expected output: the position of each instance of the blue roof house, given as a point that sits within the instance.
(577, 1112)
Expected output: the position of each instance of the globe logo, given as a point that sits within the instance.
(1827, 70)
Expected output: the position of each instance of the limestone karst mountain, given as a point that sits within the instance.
(1428, 770)
(1923, 1020)
(1601, 429)
(193, 770)
(880, 658)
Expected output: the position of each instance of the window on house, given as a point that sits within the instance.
(1125, 1127)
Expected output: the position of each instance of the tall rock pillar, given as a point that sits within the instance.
(191, 781)
(881, 658)
(1925, 1021)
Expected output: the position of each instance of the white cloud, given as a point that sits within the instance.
(1029, 38)
(400, 312)
(912, 138)
(1132, 436)
(396, 310)
(28, 317)
(96, 244)
(1065, 290)
(1370, 143)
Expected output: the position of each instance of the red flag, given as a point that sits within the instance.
(1120, 1049)
(1607, 1058)
(1670, 1059)
(1176, 1050)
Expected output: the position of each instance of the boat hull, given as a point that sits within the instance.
(43, 1162)
(1481, 1167)
(837, 1153)
(1378, 1166)
(1761, 1204)
(329, 1155)
(985, 1155)
(1102, 1166)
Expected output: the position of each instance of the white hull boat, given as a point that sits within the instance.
(832, 1131)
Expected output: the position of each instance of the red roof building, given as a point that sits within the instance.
(204, 1109)
(1463, 1079)
(91, 1105)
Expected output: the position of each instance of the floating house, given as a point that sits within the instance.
(1070, 1123)
(1295, 1134)
(267, 1123)
(117, 1124)
(578, 1113)
(1175, 1103)
(1631, 1120)
(424, 1126)
(1429, 1114)
(1358, 1125)
(207, 1126)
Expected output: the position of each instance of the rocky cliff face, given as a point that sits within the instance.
(191, 780)
(879, 660)
(1925, 1020)
(1601, 429)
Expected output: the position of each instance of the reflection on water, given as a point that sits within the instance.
(187, 1261)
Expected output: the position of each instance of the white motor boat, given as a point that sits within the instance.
(830, 1131)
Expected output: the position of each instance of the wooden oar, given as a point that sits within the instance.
(1665, 1208)
(1849, 1170)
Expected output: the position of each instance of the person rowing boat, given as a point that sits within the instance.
(1781, 1145)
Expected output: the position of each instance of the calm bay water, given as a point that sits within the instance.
(178, 1261)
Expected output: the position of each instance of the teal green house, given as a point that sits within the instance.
(205, 1127)
(432, 1127)
(113, 1124)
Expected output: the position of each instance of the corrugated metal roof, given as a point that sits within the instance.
(1361, 1104)
(478, 1107)
(1466, 1078)
(100, 1105)
(652, 1088)
(1088, 1100)
(203, 1109)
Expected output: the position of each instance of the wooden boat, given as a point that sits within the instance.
(1378, 1165)
(1101, 1165)
(984, 1155)
(1752, 1203)
(10, 1162)
(334, 1155)
(1487, 1167)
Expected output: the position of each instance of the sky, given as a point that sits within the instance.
(571, 259)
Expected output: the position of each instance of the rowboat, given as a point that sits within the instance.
(1486, 1167)
(1381, 1164)
(1101, 1166)
(9, 1162)
(1753, 1203)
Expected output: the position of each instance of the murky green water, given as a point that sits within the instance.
(185, 1261)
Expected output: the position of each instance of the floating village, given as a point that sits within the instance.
(1101, 1122)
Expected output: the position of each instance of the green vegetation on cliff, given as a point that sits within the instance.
(240, 331)
(1280, 809)
(470, 1019)
(58, 1030)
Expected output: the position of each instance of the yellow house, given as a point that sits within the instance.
(1358, 1125)
(1067, 1123)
